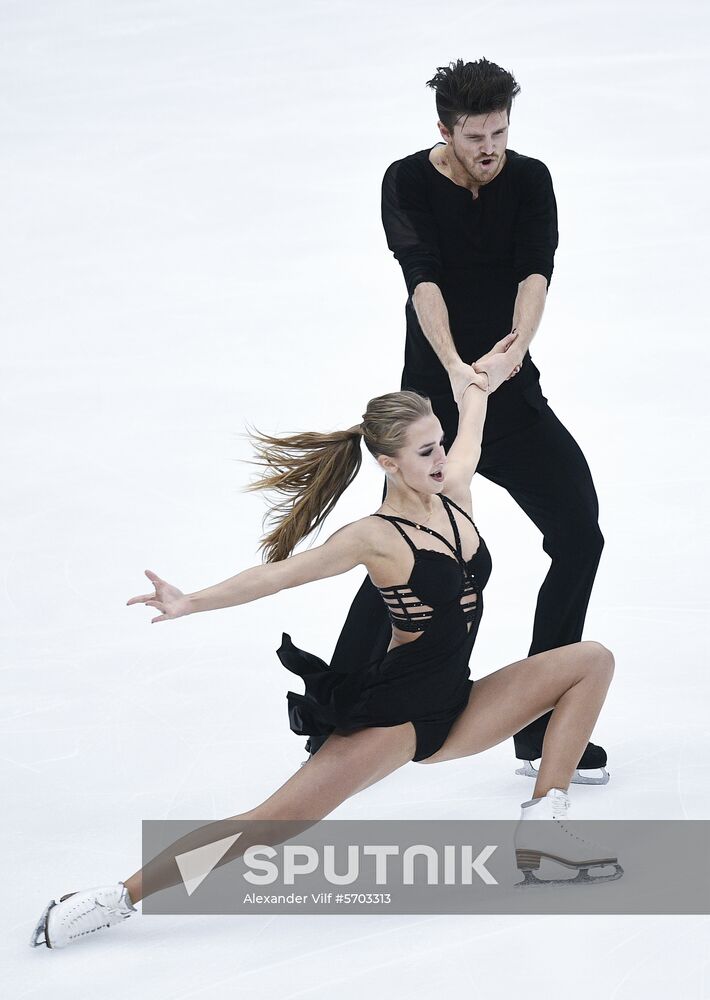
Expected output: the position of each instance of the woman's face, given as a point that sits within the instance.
(420, 463)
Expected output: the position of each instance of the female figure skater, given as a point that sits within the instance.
(424, 554)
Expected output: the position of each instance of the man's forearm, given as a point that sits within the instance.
(433, 318)
(527, 313)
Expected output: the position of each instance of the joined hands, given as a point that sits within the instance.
(496, 365)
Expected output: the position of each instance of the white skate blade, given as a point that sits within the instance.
(39, 934)
(589, 776)
(530, 878)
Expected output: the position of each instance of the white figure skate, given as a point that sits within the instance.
(556, 842)
(79, 914)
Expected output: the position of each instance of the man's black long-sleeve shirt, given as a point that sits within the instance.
(475, 250)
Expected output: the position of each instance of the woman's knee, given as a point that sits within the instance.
(598, 656)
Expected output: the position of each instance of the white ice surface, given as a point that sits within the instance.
(191, 239)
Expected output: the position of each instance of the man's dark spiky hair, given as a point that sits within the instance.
(472, 88)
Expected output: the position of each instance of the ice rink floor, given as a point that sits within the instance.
(191, 240)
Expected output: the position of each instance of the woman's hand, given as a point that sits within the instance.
(166, 598)
(498, 364)
(501, 346)
(462, 375)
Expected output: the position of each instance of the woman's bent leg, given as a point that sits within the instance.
(343, 766)
(573, 680)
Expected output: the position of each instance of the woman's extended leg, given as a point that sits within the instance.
(573, 680)
(344, 765)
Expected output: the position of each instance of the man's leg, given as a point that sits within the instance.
(544, 470)
(365, 636)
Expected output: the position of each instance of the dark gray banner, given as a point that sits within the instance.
(429, 866)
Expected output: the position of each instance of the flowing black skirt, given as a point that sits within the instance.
(424, 681)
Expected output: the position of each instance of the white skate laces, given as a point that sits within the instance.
(555, 805)
(555, 842)
(66, 921)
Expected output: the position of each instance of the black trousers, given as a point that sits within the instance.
(542, 467)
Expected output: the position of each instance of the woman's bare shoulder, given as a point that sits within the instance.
(367, 534)
(373, 534)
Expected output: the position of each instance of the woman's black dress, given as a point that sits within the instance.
(425, 681)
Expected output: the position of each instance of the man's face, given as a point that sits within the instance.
(479, 143)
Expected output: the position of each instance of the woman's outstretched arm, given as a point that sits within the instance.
(487, 374)
(344, 550)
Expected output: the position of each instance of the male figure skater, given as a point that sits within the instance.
(474, 227)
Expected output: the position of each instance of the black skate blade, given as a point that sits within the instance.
(39, 934)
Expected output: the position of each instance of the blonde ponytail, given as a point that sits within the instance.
(311, 471)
